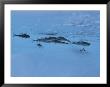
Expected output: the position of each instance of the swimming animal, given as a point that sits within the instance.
(83, 43)
(53, 40)
(22, 35)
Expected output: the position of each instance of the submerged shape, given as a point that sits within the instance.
(62, 38)
(53, 40)
(39, 45)
(83, 43)
(22, 35)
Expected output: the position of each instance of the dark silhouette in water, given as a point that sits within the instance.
(39, 45)
(22, 35)
(62, 38)
(53, 40)
(83, 43)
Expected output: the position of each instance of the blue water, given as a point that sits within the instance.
(56, 60)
